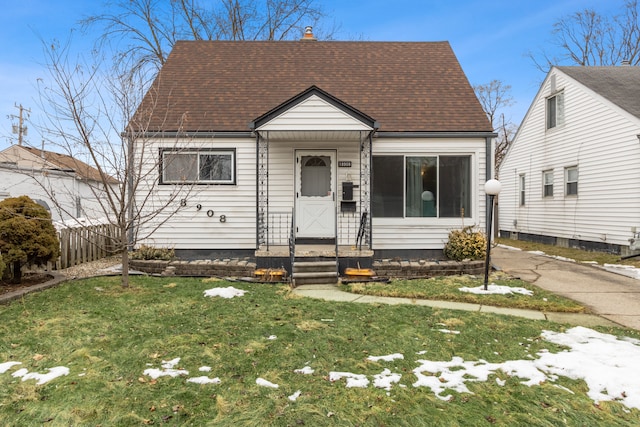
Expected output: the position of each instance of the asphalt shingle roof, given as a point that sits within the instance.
(619, 84)
(224, 85)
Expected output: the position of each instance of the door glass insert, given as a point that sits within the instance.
(315, 176)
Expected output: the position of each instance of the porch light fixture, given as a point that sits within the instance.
(492, 189)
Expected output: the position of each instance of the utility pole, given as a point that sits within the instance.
(20, 128)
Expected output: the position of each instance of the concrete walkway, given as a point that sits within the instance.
(333, 293)
(612, 296)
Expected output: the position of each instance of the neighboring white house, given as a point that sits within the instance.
(68, 188)
(572, 174)
(312, 139)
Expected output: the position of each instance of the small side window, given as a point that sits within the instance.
(571, 179)
(522, 190)
(547, 183)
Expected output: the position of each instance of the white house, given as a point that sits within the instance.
(572, 174)
(69, 188)
(371, 149)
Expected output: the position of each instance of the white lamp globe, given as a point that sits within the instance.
(492, 187)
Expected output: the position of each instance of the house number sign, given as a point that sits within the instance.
(344, 163)
(210, 212)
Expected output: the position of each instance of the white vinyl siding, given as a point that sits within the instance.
(314, 114)
(600, 138)
(220, 217)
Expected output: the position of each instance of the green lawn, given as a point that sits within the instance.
(448, 289)
(572, 253)
(108, 336)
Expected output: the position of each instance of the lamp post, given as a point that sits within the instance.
(492, 189)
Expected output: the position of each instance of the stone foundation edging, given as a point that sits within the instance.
(200, 268)
(245, 268)
(423, 268)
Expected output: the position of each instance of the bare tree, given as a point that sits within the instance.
(494, 97)
(590, 38)
(148, 29)
(87, 107)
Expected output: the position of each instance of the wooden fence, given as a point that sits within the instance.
(83, 244)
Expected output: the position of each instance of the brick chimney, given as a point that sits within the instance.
(308, 34)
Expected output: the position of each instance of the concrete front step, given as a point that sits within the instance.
(315, 278)
(315, 272)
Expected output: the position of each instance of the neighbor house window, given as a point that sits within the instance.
(198, 166)
(421, 186)
(522, 192)
(555, 110)
(571, 179)
(547, 183)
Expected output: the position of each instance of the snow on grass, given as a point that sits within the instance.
(496, 289)
(228, 292)
(353, 380)
(4, 367)
(53, 373)
(449, 331)
(264, 383)
(295, 396)
(168, 370)
(387, 358)
(204, 380)
(386, 379)
(307, 370)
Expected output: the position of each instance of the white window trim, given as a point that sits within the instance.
(559, 110)
(544, 183)
(198, 152)
(567, 182)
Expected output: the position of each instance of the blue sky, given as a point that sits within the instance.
(490, 38)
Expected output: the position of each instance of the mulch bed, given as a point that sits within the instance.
(28, 280)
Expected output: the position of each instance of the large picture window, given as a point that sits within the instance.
(421, 186)
(198, 166)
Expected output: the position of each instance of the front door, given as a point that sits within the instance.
(315, 194)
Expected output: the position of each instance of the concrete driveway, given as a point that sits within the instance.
(610, 295)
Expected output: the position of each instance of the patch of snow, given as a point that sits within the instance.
(387, 358)
(171, 363)
(448, 331)
(53, 373)
(561, 258)
(624, 270)
(500, 245)
(353, 380)
(228, 292)
(205, 369)
(156, 373)
(307, 370)
(264, 383)
(386, 379)
(272, 337)
(496, 289)
(4, 367)
(204, 380)
(295, 396)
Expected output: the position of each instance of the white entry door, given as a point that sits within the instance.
(315, 194)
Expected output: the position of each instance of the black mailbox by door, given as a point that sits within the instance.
(347, 190)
